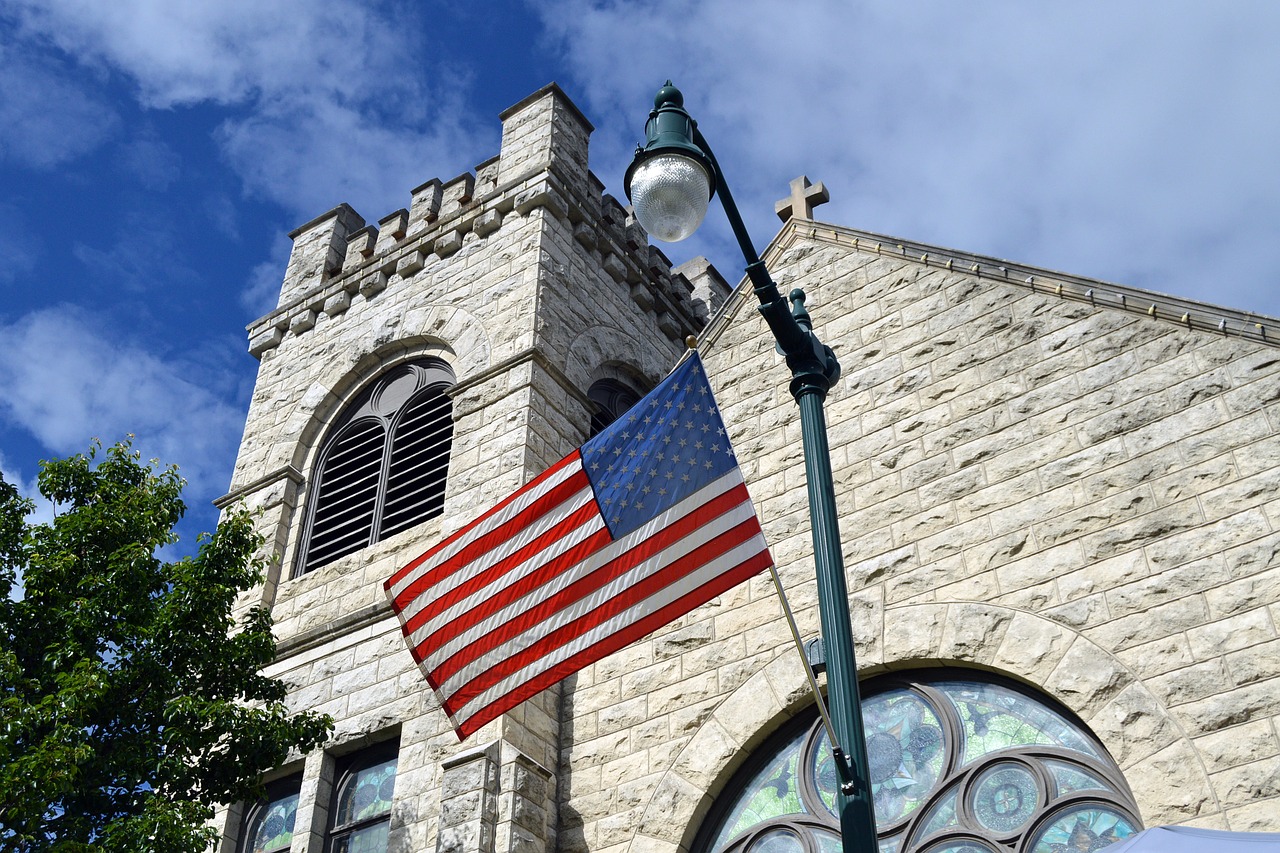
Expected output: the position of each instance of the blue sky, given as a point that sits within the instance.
(153, 156)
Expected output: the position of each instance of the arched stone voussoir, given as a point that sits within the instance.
(1133, 725)
(461, 331)
(602, 346)
(737, 726)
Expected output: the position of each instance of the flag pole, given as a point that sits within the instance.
(808, 668)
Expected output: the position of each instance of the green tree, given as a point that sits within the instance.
(130, 700)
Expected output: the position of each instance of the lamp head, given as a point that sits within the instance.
(671, 179)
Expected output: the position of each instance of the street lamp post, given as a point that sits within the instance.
(670, 183)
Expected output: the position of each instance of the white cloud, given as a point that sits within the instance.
(329, 100)
(1125, 141)
(67, 383)
(262, 291)
(45, 119)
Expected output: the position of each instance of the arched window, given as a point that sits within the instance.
(609, 399)
(382, 468)
(959, 763)
(268, 824)
(360, 820)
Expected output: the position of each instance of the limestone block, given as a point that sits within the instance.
(1162, 587)
(663, 700)
(1191, 683)
(486, 223)
(1169, 785)
(1158, 656)
(447, 244)
(410, 263)
(302, 321)
(1133, 726)
(1031, 646)
(337, 303)
(1087, 678)
(373, 283)
(1229, 708)
(1238, 745)
(1155, 623)
(913, 633)
(542, 196)
(1249, 783)
(1232, 633)
(972, 632)
(264, 340)
(1255, 663)
(360, 246)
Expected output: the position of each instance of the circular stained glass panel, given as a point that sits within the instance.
(1005, 797)
(961, 846)
(778, 841)
(368, 793)
(1082, 829)
(905, 754)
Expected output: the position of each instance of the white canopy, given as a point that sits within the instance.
(1186, 839)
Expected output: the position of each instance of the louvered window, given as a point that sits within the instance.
(383, 466)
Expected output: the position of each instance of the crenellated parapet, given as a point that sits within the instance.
(338, 258)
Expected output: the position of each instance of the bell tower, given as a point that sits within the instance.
(507, 293)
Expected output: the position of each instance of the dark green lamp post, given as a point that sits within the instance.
(670, 182)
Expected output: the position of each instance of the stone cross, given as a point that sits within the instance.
(803, 199)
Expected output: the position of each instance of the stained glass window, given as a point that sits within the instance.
(957, 764)
(361, 816)
(269, 824)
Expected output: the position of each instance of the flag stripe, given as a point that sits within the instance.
(699, 563)
(611, 643)
(647, 520)
(607, 575)
(534, 581)
(549, 539)
(509, 508)
(489, 544)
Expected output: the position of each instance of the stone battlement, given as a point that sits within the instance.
(338, 256)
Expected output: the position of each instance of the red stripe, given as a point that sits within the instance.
(514, 591)
(498, 536)
(629, 597)
(608, 645)
(546, 608)
(572, 458)
(478, 581)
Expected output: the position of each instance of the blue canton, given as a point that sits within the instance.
(664, 449)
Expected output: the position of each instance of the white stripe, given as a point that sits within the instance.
(594, 561)
(505, 549)
(450, 548)
(494, 588)
(644, 570)
(622, 621)
(585, 605)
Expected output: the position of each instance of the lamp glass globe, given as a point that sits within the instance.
(670, 193)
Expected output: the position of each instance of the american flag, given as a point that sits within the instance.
(638, 526)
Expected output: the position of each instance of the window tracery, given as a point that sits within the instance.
(382, 469)
(958, 763)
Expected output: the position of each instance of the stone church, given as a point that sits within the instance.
(1059, 498)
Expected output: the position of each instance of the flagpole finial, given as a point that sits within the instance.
(691, 342)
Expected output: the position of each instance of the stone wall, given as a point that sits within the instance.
(1051, 478)
(1067, 482)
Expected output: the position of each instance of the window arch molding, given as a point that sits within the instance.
(961, 761)
(382, 464)
(614, 388)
